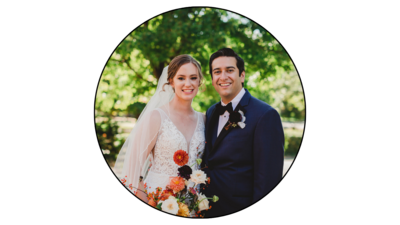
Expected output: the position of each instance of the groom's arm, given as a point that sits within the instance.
(267, 153)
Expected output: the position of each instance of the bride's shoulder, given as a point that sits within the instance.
(151, 120)
(156, 112)
(163, 109)
(155, 116)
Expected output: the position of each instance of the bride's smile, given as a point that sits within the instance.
(186, 82)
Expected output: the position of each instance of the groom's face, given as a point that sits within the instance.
(225, 78)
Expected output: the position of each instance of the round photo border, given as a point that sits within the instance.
(302, 83)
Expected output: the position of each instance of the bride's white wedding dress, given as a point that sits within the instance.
(157, 134)
(169, 140)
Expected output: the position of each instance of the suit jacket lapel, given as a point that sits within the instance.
(213, 121)
(243, 102)
(221, 136)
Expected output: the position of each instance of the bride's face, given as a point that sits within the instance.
(186, 82)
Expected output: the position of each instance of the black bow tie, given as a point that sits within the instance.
(221, 109)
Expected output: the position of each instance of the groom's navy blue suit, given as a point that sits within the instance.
(243, 164)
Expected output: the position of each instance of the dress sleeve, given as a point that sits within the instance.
(136, 149)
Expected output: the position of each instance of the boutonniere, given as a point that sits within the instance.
(236, 118)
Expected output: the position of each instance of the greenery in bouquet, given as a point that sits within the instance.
(181, 196)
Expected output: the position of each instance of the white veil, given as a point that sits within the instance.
(143, 136)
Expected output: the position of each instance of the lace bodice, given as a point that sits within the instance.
(170, 139)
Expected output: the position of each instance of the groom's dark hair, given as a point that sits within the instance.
(230, 53)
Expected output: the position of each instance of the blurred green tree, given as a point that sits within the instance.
(138, 61)
(285, 94)
(130, 75)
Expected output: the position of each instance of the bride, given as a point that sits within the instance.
(167, 124)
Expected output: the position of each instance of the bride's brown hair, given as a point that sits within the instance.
(179, 61)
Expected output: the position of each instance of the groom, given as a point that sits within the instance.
(244, 140)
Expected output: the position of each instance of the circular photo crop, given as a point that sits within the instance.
(199, 112)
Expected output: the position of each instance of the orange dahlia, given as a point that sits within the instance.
(177, 184)
(181, 157)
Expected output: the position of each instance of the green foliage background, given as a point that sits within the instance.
(130, 76)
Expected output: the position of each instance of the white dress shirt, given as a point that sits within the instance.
(225, 117)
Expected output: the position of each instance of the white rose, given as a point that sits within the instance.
(172, 197)
(198, 177)
(170, 206)
(203, 202)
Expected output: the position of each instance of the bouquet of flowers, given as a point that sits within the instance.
(181, 196)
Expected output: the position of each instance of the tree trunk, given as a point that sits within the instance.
(157, 70)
